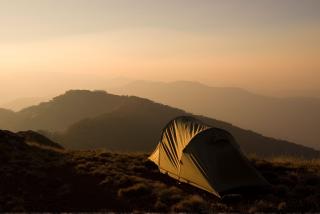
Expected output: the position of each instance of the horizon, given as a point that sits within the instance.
(82, 81)
(26, 97)
(265, 47)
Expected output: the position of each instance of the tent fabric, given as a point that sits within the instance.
(208, 158)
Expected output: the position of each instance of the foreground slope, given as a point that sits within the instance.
(40, 179)
(296, 119)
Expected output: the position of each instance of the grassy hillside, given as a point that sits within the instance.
(37, 179)
(295, 119)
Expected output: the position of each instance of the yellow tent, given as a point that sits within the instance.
(208, 158)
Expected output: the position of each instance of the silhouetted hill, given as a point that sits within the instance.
(96, 119)
(7, 119)
(64, 110)
(6, 113)
(31, 137)
(10, 140)
(34, 179)
(295, 119)
(138, 124)
(25, 139)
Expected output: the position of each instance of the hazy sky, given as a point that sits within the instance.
(265, 45)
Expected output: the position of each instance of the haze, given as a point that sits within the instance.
(266, 46)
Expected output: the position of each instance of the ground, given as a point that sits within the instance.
(40, 179)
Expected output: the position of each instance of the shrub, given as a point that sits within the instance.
(191, 204)
(137, 169)
(282, 206)
(281, 190)
(15, 204)
(122, 180)
(219, 207)
(136, 191)
(312, 202)
(271, 176)
(311, 180)
(170, 196)
(302, 191)
(262, 206)
(160, 206)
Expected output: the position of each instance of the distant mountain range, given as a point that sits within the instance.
(295, 119)
(20, 85)
(21, 103)
(95, 119)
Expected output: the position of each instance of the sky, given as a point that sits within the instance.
(266, 46)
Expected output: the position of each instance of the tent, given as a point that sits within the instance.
(206, 157)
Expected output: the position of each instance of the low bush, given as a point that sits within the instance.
(139, 190)
(191, 204)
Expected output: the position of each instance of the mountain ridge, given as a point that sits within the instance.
(105, 127)
(294, 118)
(82, 119)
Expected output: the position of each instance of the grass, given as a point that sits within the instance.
(43, 180)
